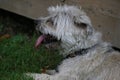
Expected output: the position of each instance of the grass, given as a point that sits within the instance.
(18, 56)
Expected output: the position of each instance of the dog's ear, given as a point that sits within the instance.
(80, 25)
(85, 26)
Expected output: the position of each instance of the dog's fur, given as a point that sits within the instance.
(73, 28)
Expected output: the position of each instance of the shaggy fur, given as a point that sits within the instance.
(73, 28)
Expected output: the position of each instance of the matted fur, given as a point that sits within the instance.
(73, 28)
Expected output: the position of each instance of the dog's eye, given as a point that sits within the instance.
(49, 22)
(80, 25)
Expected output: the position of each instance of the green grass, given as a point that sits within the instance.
(18, 56)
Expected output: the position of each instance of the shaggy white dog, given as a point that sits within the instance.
(87, 56)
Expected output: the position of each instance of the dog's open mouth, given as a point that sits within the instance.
(45, 39)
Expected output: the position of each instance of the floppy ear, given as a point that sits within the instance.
(87, 27)
(80, 25)
(90, 30)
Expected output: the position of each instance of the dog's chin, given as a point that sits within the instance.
(45, 39)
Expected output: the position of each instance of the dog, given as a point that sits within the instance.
(86, 55)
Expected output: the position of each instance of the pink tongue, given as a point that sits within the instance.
(39, 41)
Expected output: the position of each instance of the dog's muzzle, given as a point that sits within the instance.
(46, 39)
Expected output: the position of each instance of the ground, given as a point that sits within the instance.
(17, 52)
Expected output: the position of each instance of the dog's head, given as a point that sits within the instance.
(70, 25)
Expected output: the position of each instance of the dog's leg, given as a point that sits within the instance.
(37, 76)
(58, 76)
